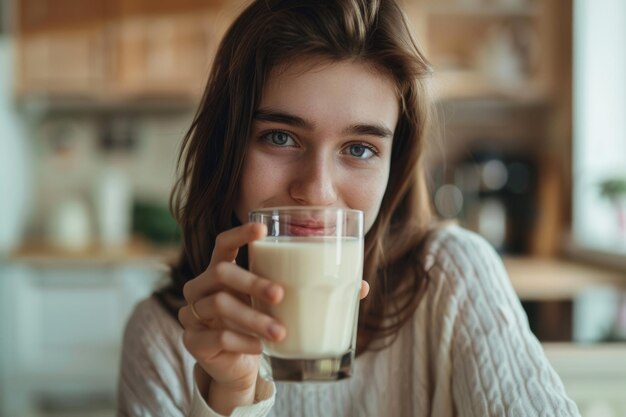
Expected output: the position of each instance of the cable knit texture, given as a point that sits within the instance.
(467, 351)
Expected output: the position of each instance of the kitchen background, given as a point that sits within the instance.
(96, 96)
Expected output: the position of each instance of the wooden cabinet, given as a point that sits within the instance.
(137, 48)
(50, 15)
(117, 50)
(62, 63)
(62, 46)
(163, 55)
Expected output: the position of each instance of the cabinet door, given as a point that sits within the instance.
(62, 63)
(63, 335)
(69, 320)
(159, 55)
(62, 45)
(118, 49)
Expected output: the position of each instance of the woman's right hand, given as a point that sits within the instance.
(225, 336)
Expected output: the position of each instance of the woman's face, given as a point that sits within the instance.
(321, 136)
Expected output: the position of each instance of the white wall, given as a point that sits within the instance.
(15, 173)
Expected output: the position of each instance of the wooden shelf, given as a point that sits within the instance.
(138, 250)
(545, 279)
(471, 84)
(465, 42)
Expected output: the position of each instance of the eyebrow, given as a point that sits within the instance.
(370, 130)
(362, 129)
(281, 117)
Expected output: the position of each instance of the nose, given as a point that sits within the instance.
(314, 183)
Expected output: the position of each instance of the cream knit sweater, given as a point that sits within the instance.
(467, 351)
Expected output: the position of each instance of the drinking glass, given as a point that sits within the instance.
(316, 255)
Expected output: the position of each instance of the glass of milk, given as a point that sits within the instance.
(316, 255)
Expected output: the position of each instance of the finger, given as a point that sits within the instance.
(206, 345)
(227, 276)
(228, 243)
(235, 278)
(189, 321)
(229, 309)
(365, 289)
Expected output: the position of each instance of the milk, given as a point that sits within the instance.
(322, 279)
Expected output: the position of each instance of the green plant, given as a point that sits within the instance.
(615, 190)
(154, 221)
(613, 187)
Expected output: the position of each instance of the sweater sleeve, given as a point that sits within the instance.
(497, 366)
(264, 395)
(156, 373)
(153, 380)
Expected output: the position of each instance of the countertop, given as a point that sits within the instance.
(533, 278)
(137, 250)
(557, 279)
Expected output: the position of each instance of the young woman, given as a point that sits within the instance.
(326, 104)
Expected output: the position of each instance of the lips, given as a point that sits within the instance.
(309, 228)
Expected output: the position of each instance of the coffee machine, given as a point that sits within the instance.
(493, 194)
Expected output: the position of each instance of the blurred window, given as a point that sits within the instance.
(599, 176)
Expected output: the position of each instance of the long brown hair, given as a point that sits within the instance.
(273, 32)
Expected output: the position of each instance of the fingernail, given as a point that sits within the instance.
(259, 229)
(275, 331)
(272, 292)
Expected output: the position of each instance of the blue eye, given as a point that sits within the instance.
(360, 151)
(279, 138)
